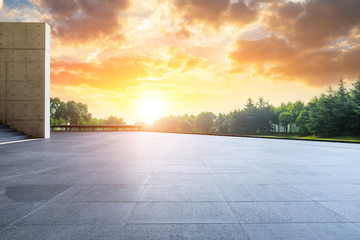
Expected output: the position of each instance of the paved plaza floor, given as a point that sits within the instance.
(142, 185)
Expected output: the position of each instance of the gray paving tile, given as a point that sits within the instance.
(115, 178)
(257, 192)
(11, 212)
(46, 179)
(349, 210)
(280, 212)
(101, 193)
(181, 193)
(301, 231)
(30, 193)
(333, 192)
(181, 169)
(181, 179)
(62, 232)
(79, 213)
(223, 167)
(350, 175)
(182, 212)
(124, 168)
(309, 178)
(184, 231)
(224, 179)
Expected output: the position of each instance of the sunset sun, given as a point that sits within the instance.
(150, 109)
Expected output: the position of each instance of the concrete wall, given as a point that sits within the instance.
(25, 77)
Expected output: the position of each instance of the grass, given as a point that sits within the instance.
(296, 136)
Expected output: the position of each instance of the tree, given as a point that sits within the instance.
(184, 125)
(343, 110)
(286, 118)
(296, 108)
(73, 113)
(204, 122)
(85, 115)
(166, 124)
(114, 121)
(58, 111)
(302, 122)
(354, 100)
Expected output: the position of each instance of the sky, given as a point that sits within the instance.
(142, 60)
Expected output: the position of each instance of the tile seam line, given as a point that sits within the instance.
(317, 202)
(185, 223)
(127, 221)
(123, 224)
(231, 210)
(13, 223)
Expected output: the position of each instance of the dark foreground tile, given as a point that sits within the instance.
(182, 212)
(256, 192)
(11, 212)
(31, 193)
(303, 231)
(281, 212)
(62, 232)
(80, 213)
(184, 231)
(181, 193)
(115, 178)
(101, 193)
(181, 179)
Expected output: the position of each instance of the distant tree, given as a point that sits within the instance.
(342, 118)
(286, 118)
(73, 113)
(113, 121)
(220, 126)
(249, 105)
(85, 115)
(58, 111)
(166, 124)
(323, 114)
(96, 121)
(204, 122)
(184, 125)
(302, 122)
(354, 121)
(296, 108)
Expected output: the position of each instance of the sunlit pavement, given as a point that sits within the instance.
(133, 185)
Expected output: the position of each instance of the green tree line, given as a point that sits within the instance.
(333, 113)
(73, 113)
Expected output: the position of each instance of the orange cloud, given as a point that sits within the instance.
(275, 58)
(313, 23)
(112, 74)
(77, 21)
(216, 13)
(119, 74)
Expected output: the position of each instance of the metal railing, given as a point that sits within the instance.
(86, 128)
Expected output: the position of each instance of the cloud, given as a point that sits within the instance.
(1, 4)
(112, 74)
(316, 42)
(314, 23)
(216, 13)
(275, 58)
(77, 21)
(119, 74)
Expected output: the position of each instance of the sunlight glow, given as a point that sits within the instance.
(150, 108)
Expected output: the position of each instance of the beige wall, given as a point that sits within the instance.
(25, 77)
